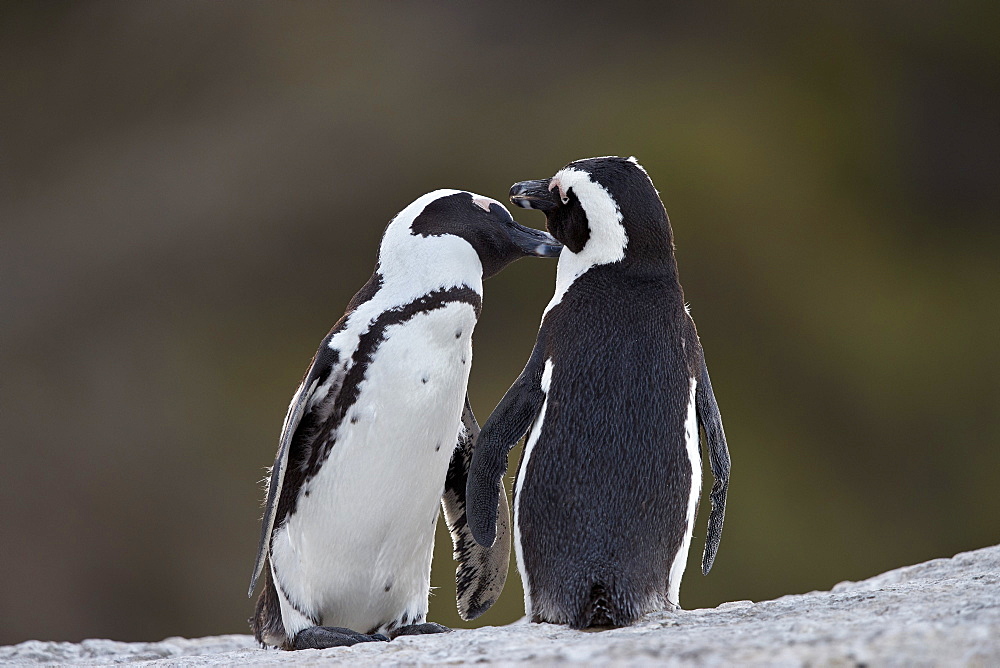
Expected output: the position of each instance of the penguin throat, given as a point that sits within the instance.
(425, 264)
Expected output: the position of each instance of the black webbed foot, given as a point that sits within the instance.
(321, 637)
(419, 629)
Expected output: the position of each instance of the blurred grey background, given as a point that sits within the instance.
(190, 192)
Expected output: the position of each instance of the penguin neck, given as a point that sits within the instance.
(426, 264)
(660, 264)
(574, 265)
(632, 258)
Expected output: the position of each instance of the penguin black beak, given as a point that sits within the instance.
(534, 242)
(534, 195)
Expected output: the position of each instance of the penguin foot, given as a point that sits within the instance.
(321, 637)
(419, 630)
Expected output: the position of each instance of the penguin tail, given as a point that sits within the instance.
(601, 608)
(266, 624)
(598, 611)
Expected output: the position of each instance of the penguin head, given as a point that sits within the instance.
(482, 223)
(605, 209)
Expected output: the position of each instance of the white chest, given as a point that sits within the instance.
(357, 551)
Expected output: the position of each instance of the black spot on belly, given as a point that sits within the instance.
(388, 585)
(354, 419)
(458, 334)
(437, 447)
(307, 492)
(463, 359)
(424, 380)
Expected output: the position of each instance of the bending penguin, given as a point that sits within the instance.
(380, 432)
(611, 399)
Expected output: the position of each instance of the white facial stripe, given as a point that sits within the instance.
(416, 264)
(399, 228)
(608, 239)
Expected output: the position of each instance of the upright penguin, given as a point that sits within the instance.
(611, 399)
(368, 446)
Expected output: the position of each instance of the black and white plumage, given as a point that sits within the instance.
(380, 432)
(611, 400)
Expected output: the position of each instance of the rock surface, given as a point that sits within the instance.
(942, 612)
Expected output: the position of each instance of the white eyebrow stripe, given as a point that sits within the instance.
(608, 238)
(483, 202)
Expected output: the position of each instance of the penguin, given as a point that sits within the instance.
(379, 432)
(611, 400)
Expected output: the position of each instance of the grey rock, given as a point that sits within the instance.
(944, 612)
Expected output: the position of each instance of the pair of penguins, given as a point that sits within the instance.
(380, 431)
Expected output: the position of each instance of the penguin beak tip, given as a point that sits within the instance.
(548, 250)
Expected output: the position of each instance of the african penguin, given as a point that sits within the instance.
(380, 432)
(611, 399)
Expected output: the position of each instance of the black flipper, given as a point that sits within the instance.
(510, 420)
(481, 571)
(324, 377)
(310, 407)
(718, 455)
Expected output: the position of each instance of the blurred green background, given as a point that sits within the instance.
(190, 192)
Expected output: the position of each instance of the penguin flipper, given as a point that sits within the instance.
(506, 425)
(481, 571)
(718, 456)
(324, 376)
(277, 477)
